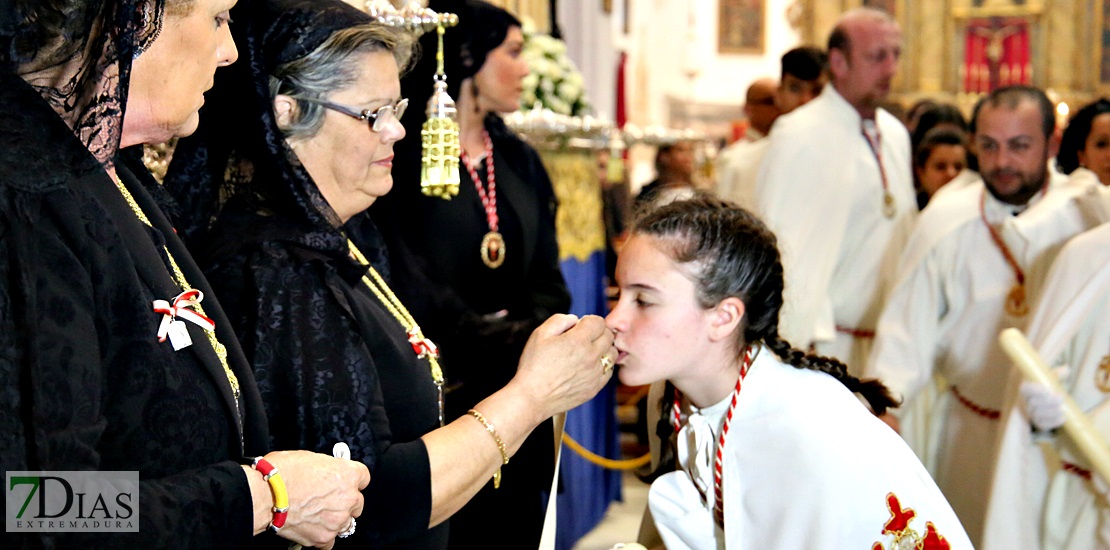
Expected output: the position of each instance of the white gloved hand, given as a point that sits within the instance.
(1045, 408)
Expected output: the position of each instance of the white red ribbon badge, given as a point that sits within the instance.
(174, 315)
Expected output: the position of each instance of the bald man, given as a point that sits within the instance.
(760, 108)
(804, 73)
(761, 111)
(836, 187)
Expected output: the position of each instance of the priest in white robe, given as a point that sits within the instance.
(804, 74)
(1047, 499)
(836, 188)
(761, 110)
(974, 257)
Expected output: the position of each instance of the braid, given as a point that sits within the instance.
(876, 394)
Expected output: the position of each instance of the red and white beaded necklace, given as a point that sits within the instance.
(718, 460)
(493, 244)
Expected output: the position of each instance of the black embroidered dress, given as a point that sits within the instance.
(84, 382)
(332, 363)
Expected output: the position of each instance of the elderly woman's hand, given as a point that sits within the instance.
(566, 362)
(324, 495)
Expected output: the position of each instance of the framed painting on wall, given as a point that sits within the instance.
(740, 26)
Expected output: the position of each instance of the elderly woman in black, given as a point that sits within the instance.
(88, 380)
(304, 132)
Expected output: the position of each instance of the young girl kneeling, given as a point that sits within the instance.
(773, 448)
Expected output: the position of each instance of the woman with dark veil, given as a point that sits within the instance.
(300, 138)
(109, 359)
(479, 305)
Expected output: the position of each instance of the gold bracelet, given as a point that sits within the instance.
(496, 439)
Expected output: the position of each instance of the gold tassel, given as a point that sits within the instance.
(439, 137)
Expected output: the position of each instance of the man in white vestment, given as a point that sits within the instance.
(1058, 504)
(975, 256)
(761, 111)
(804, 73)
(836, 188)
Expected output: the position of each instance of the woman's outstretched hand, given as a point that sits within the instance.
(566, 362)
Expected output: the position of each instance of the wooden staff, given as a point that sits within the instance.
(1076, 424)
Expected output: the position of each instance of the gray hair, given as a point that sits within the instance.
(328, 68)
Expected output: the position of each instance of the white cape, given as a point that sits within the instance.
(806, 466)
(1034, 504)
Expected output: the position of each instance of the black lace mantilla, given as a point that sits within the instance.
(43, 41)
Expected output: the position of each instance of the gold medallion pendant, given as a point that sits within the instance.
(1015, 301)
(889, 205)
(1102, 377)
(493, 250)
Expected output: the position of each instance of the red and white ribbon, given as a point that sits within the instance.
(180, 309)
(422, 345)
(719, 459)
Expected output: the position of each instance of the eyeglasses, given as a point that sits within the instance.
(377, 119)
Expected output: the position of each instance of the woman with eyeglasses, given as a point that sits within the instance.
(301, 137)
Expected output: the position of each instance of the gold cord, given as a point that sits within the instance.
(179, 276)
(396, 308)
(607, 463)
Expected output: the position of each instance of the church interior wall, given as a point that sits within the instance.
(676, 75)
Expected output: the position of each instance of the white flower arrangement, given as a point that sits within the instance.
(554, 82)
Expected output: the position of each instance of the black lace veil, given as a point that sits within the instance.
(238, 150)
(77, 54)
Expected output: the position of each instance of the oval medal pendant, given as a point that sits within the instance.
(1015, 301)
(493, 250)
(888, 204)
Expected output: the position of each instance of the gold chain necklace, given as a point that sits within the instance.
(420, 344)
(179, 276)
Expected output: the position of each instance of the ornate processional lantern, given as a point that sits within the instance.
(439, 135)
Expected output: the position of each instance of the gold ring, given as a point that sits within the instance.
(606, 364)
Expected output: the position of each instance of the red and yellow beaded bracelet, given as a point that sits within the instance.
(281, 497)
